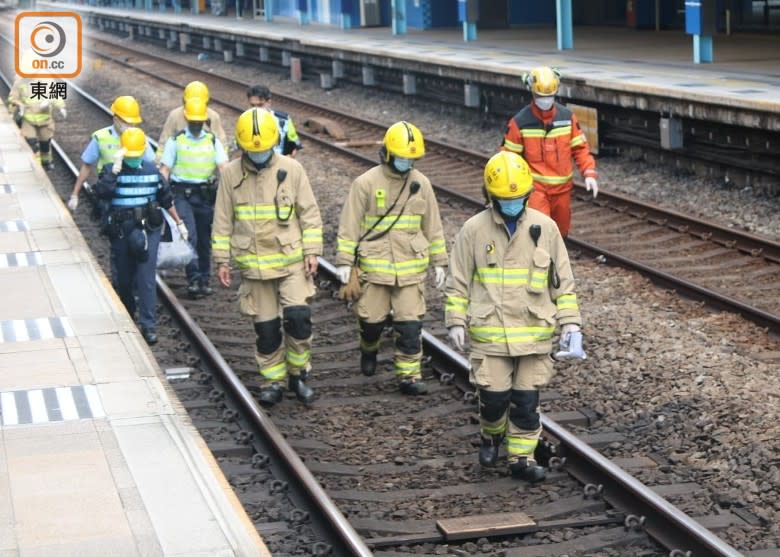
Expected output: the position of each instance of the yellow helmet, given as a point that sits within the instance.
(507, 176)
(133, 142)
(256, 130)
(195, 110)
(403, 140)
(196, 89)
(127, 108)
(543, 81)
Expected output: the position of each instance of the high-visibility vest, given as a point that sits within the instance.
(196, 159)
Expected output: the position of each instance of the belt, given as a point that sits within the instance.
(133, 213)
(184, 185)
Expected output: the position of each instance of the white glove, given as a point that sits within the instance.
(457, 336)
(571, 344)
(73, 203)
(592, 184)
(343, 271)
(63, 113)
(440, 275)
(182, 228)
(119, 156)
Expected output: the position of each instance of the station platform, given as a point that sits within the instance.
(615, 65)
(97, 456)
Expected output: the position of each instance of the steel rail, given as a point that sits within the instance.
(351, 542)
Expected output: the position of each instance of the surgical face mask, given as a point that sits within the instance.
(544, 103)
(512, 207)
(403, 165)
(195, 128)
(134, 162)
(260, 157)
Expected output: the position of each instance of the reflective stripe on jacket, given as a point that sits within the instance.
(195, 158)
(265, 238)
(34, 112)
(501, 287)
(288, 135)
(414, 241)
(549, 147)
(108, 144)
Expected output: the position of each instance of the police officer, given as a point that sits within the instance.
(266, 218)
(37, 121)
(511, 283)
(175, 122)
(547, 135)
(390, 229)
(104, 143)
(136, 192)
(259, 96)
(189, 162)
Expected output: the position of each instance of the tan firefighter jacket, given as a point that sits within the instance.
(37, 110)
(504, 289)
(177, 122)
(266, 226)
(415, 240)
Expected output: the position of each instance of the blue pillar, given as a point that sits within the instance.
(148, 5)
(303, 12)
(469, 31)
(346, 21)
(398, 11)
(565, 25)
(702, 49)
(345, 14)
(268, 10)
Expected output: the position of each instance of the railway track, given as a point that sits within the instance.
(730, 269)
(423, 459)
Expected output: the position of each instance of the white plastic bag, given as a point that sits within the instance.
(177, 252)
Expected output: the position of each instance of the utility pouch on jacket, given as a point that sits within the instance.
(110, 226)
(154, 218)
(208, 192)
(537, 281)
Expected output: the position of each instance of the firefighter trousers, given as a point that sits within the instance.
(406, 305)
(554, 204)
(280, 310)
(508, 390)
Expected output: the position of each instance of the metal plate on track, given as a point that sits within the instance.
(485, 525)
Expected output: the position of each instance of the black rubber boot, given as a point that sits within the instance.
(526, 469)
(413, 387)
(270, 395)
(488, 452)
(194, 289)
(296, 384)
(205, 289)
(149, 336)
(368, 363)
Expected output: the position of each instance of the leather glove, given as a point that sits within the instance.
(119, 156)
(343, 271)
(182, 228)
(440, 275)
(457, 336)
(571, 344)
(73, 203)
(592, 184)
(63, 113)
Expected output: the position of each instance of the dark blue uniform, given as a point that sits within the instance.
(133, 222)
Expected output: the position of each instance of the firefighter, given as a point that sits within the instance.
(390, 229)
(136, 192)
(35, 112)
(104, 143)
(189, 162)
(511, 282)
(175, 122)
(259, 96)
(267, 219)
(548, 136)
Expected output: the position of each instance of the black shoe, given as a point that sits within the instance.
(302, 391)
(368, 363)
(488, 452)
(48, 165)
(206, 290)
(194, 289)
(527, 469)
(149, 336)
(413, 387)
(270, 395)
